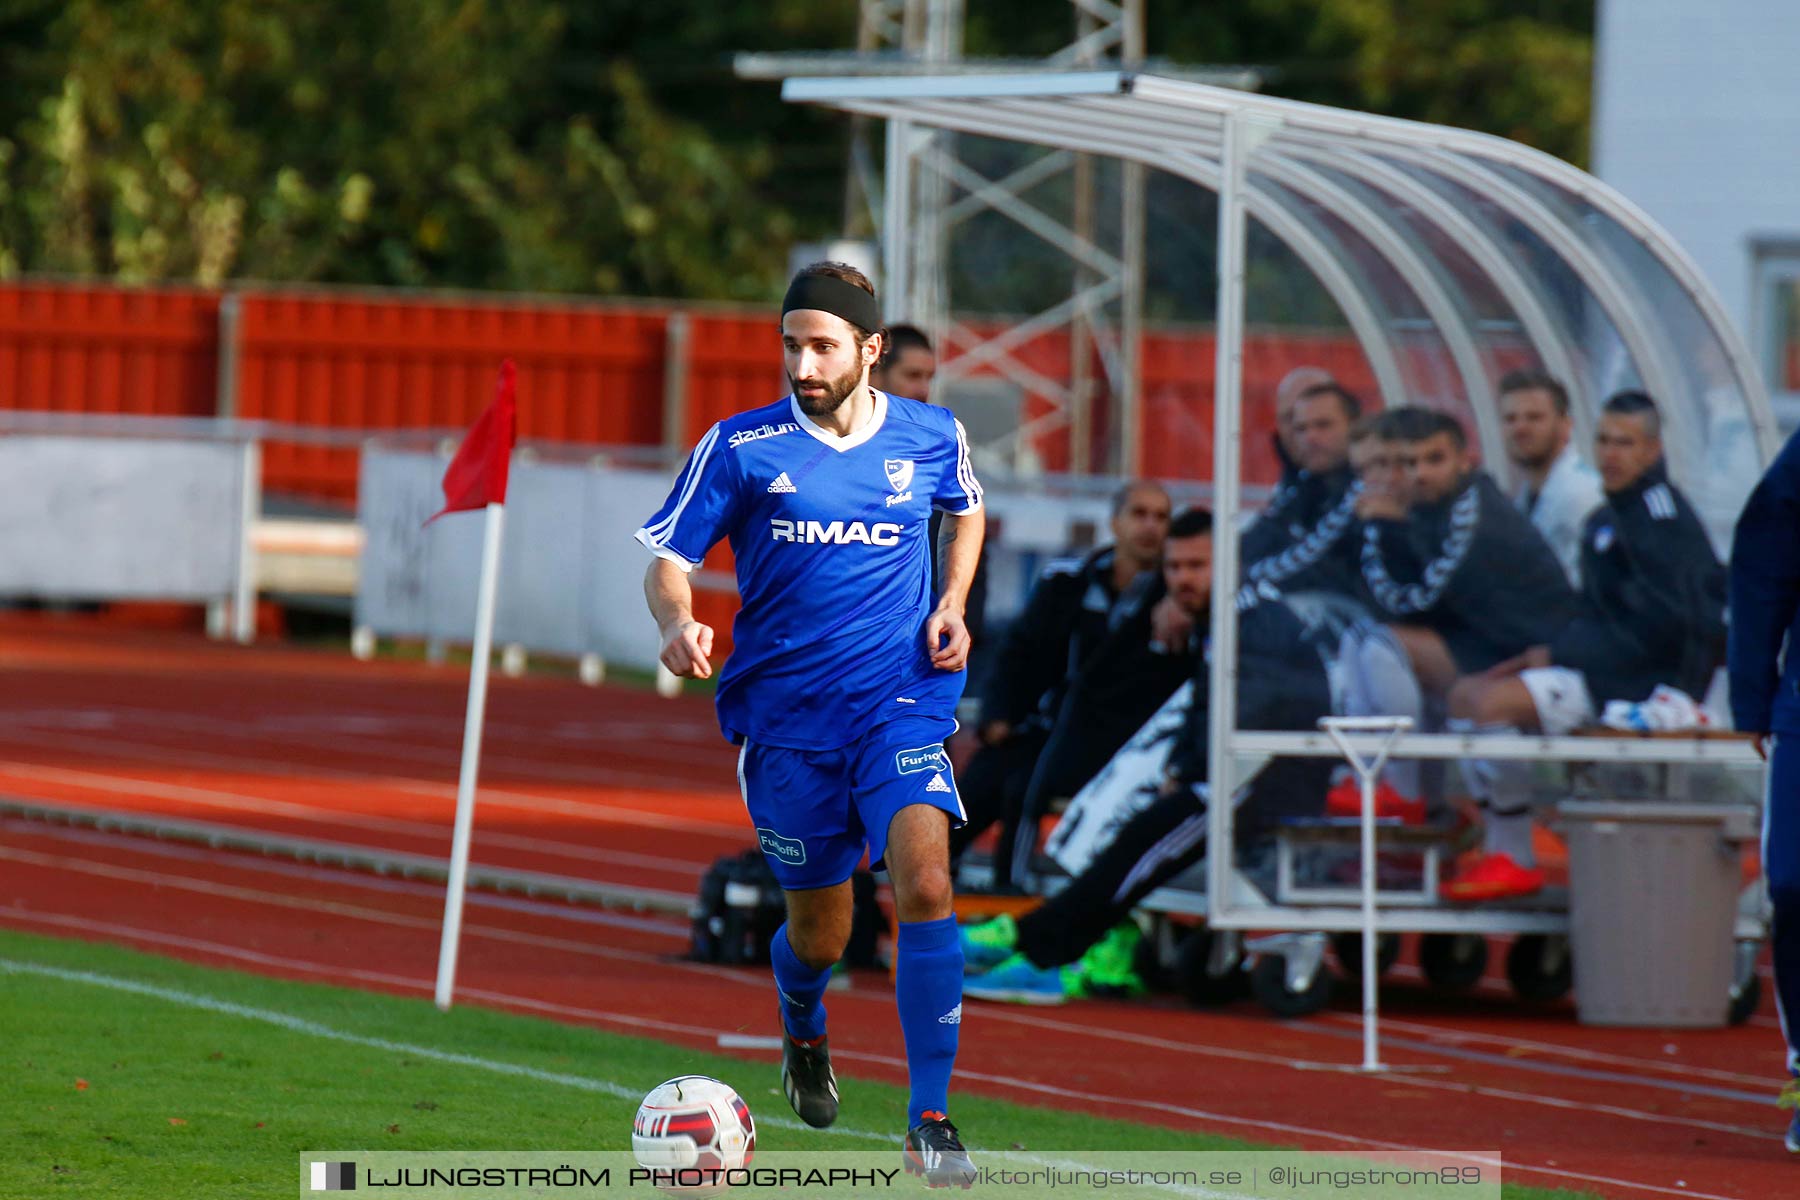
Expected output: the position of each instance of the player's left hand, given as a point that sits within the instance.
(947, 640)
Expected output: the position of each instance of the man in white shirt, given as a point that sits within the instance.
(1557, 488)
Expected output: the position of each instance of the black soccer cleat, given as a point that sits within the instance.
(933, 1150)
(807, 1079)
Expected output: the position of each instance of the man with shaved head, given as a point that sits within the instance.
(1305, 540)
(1287, 394)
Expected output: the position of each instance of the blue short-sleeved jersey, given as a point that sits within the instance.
(833, 564)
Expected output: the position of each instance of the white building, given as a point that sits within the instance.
(1697, 119)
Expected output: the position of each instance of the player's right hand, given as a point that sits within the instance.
(685, 648)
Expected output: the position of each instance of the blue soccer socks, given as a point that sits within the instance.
(802, 989)
(928, 991)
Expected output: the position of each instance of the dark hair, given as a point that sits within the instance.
(1635, 404)
(1364, 428)
(900, 338)
(1352, 406)
(837, 270)
(1414, 424)
(1123, 495)
(1534, 379)
(1191, 522)
(850, 275)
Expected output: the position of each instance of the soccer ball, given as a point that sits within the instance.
(693, 1126)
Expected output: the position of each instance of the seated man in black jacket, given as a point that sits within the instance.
(1652, 613)
(1121, 683)
(1463, 577)
(1306, 539)
(1075, 602)
(1282, 684)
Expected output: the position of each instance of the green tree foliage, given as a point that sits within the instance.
(587, 145)
(476, 143)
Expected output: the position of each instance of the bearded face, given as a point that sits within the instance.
(824, 362)
(820, 397)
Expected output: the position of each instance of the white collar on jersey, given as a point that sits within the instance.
(856, 437)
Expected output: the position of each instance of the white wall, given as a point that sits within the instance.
(1697, 119)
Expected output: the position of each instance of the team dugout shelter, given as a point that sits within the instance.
(1448, 256)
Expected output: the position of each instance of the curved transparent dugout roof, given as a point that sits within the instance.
(1442, 247)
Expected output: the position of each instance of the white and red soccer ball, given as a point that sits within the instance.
(693, 1126)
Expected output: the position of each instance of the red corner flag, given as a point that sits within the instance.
(477, 475)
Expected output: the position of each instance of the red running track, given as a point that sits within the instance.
(620, 787)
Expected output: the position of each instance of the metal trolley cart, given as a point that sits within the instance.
(1287, 971)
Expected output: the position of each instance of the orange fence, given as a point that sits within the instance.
(108, 350)
(592, 374)
(626, 374)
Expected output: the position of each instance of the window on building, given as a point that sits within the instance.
(1776, 322)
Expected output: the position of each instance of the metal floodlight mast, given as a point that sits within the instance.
(922, 168)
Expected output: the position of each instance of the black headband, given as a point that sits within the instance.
(839, 297)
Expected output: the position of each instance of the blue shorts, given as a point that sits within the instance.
(815, 810)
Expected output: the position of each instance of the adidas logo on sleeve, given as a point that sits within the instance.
(937, 784)
(783, 484)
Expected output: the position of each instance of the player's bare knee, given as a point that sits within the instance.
(925, 896)
(818, 947)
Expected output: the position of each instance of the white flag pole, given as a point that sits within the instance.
(471, 755)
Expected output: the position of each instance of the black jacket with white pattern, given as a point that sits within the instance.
(1652, 596)
(1473, 568)
(1307, 539)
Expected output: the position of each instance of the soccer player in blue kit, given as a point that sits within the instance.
(845, 674)
(1763, 654)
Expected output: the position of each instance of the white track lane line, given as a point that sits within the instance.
(1014, 1017)
(360, 880)
(116, 746)
(243, 803)
(1461, 1037)
(443, 757)
(328, 972)
(119, 784)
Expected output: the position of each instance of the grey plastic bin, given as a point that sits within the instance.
(1653, 897)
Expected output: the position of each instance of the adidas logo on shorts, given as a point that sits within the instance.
(937, 783)
(783, 484)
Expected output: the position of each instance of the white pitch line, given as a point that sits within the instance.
(355, 912)
(300, 1025)
(330, 971)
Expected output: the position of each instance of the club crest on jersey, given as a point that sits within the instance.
(899, 472)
